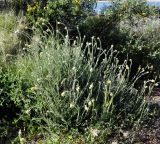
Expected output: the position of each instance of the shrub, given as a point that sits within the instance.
(127, 23)
(143, 44)
(60, 87)
(130, 8)
(107, 27)
(14, 92)
(10, 108)
(71, 92)
(22, 5)
(68, 12)
(104, 28)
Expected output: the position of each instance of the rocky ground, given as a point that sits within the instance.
(150, 130)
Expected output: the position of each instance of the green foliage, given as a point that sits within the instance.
(72, 92)
(58, 87)
(14, 34)
(132, 29)
(104, 28)
(19, 5)
(22, 5)
(143, 42)
(10, 108)
(108, 28)
(68, 12)
(8, 39)
(76, 90)
(130, 8)
(15, 98)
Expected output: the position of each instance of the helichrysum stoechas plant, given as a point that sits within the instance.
(72, 91)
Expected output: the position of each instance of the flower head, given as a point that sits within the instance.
(89, 103)
(77, 1)
(17, 31)
(63, 93)
(34, 88)
(152, 81)
(77, 88)
(109, 82)
(71, 105)
(86, 108)
(127, 67)
(95, 132)
(91, 86)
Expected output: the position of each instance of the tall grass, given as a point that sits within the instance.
(13, 34)
(7, 25)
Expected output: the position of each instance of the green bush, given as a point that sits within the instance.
(130, 8)
(10, 109)
(107, 27)
(143, 44)
(22, 5)
(60, 87)
(15, 98)
(104, 28)
(129, 26)
(72, 92)
(69, 13)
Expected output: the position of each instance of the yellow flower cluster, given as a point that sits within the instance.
(77, 1)
(32, 8)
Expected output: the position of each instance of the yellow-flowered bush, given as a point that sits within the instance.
(68, 12)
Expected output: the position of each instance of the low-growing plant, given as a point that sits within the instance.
(69, 91)
(10, 108)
